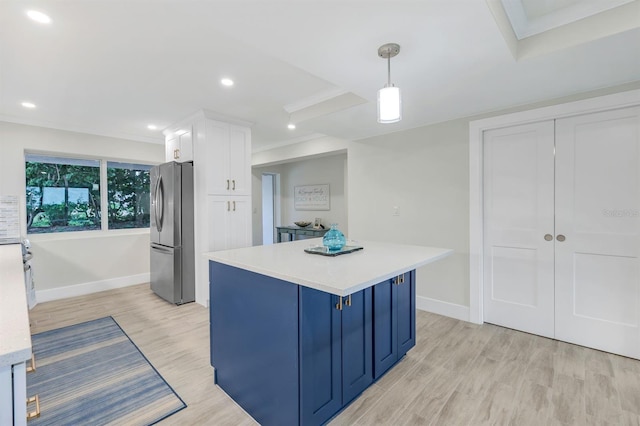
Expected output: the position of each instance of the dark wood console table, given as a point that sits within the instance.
(296, 230)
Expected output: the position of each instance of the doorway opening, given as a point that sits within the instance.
(270, 206)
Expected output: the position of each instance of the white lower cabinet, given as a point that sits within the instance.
(229, 222)
(13, 395)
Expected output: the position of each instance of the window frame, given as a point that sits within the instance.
(105, 218)
(104, 199)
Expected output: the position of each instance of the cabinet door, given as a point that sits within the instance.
(6, 395)
(385, 340)
(239, 222)
(394, 321)
(19, 394)
(185, 152)
(357, 362)
(217, 158)
(179, 145)
(406, 307)
(218, 209)
(170, 146)
(240, 160)
(320, 356)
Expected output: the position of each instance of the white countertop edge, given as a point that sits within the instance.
(18, 356)
(213, 256)
(15, 334)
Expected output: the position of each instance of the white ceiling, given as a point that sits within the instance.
(531, 17)
(113, 66)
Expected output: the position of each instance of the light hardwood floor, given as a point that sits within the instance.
(458, 373)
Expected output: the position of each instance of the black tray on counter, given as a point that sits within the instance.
(323, 251)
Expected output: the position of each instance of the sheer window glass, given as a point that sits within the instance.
(63, 194)
(128, 194)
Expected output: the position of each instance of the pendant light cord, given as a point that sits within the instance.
(388, 70)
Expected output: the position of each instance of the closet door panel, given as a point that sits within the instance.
(598, 217)
(518, 213)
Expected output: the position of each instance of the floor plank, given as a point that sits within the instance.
(458, 373)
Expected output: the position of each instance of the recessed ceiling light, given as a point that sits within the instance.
(291, 126)
(39, 16)
(28, 105)
(226, 82)
(152, 127)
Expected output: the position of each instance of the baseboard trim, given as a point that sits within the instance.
(90, 287)
(440, 307)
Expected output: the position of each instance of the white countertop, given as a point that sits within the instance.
(340, 275)
(15, 335)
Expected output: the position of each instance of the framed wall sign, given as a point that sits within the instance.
(312, 197)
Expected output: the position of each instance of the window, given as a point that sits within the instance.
(128, 186)
(63, 194)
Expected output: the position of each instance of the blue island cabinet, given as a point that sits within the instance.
(292, 355)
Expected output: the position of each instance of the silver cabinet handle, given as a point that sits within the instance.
(227, 184)
(228, 205)
(234, 206)
(234, 184)
(561, 237)
(548, 237)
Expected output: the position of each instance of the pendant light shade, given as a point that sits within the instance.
(389, 101)
(389, 105)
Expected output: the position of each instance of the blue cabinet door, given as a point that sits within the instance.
(336, 352)
(357, 347)
(385, 339)
(406, 313)
(394, 323)
(320, 356)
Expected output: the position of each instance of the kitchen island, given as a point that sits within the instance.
(295, 337)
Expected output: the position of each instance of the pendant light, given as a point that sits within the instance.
(389, 102)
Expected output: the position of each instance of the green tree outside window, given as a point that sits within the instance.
(63, 194)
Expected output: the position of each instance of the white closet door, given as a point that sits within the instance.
(598, 212)
(518, 213)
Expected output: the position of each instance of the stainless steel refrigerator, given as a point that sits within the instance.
(172, 247)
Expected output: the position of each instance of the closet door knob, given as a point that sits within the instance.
(560, 237)
(548, 237)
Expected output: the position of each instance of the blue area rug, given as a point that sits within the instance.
(93, 374)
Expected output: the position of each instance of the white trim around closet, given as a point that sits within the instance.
(476, 196)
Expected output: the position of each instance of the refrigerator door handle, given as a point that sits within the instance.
(159, 197)
(161, 249)
(154, 201)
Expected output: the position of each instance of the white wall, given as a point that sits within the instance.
(320, 170)
(425, 173)
(77, 262)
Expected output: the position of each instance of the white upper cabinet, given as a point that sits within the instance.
(229, 165)
(220, 149)
(179, 144)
